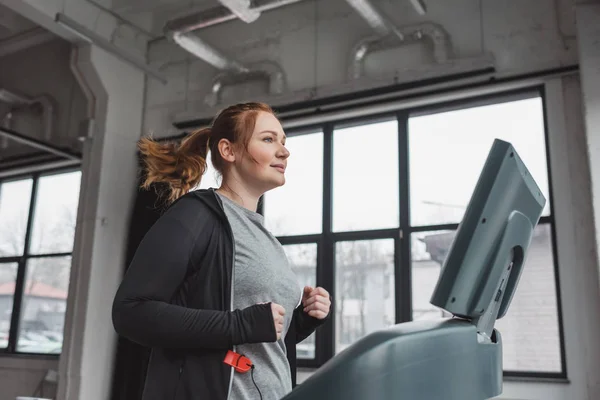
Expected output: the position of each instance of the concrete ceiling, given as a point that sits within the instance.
(13, 24)
(18, 33)
(159, 6)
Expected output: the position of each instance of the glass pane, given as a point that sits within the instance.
(530, 328)
(296, 208)
(303, 260)
(44, 305)
(365, 177)
(55, 214)
(15, 198)
(8, 277)
(364, 289)
(447, 152)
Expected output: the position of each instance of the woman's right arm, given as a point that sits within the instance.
(141, 309)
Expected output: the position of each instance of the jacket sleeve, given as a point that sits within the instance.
(305, 325)
(141, 308)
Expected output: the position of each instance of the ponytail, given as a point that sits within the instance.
(179, 166)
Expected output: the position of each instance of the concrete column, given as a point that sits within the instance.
(588, 39)
(108, 185)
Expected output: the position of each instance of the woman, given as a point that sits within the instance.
(208, 282)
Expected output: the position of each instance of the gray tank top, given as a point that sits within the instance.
(261, 274)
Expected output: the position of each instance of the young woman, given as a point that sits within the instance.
(208, 282)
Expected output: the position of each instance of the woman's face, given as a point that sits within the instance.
(263, 164)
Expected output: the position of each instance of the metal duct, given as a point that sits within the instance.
(242, 10)
(18, 101)
(12, 98)
(269, 71)
(442, 49)
(38, 144)
(180, 31)
(419, 6)
(217, 15)
(192, 43)
(374, 18)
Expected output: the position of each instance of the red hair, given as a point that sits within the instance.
(181, 165)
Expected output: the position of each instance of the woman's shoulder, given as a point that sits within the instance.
(197, 205)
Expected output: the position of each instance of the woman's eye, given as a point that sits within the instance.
(268, 139)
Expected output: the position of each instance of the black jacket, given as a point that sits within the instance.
(176, 298)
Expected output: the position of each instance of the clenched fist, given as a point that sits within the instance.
(278, 313)
(316, 302)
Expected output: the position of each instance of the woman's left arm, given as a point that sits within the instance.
(313, 311)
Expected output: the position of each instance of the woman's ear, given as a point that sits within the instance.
(226, 150)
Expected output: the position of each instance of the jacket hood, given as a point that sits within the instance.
(210, 198)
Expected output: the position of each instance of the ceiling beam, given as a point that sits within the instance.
(25, 40)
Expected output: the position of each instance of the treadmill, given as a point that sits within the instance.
(456, 358)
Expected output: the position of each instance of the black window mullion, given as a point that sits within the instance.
(403, 264)
(20, 282)
(11, 259)
(430, 228)
(364, 235)
(559, 306)
(300, 239)
(325, 340)
(49, 255)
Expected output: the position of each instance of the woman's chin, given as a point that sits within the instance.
(275, 183)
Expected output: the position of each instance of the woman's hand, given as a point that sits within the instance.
(278, 314)
(316, 302)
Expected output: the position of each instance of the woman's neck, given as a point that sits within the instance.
(240, 195)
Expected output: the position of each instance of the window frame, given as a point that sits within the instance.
(327, 239)
(22, 260)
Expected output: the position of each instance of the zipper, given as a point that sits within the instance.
(232, 279)
(179, 379)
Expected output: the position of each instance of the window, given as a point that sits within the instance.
(446, 153)
(379, 200)
(37, 229)
(361, 305)
(295, 208)
(365, 156)
(303, 261)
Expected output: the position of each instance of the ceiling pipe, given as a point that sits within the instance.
(380, 24)
(442, 47)
(180, 30)
(242, 9)
(419, 6)
(18, 102)
(268, 71)
(38, 144)
(389, 36)
(190, 42)
(218, 15)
